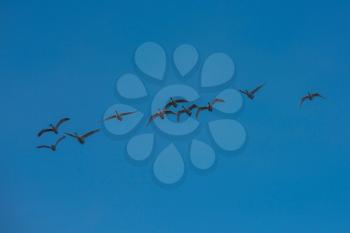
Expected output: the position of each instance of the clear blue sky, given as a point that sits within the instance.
(62, 59)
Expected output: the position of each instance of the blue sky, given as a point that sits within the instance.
(63, 58)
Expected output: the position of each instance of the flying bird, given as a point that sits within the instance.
(53, 128)
(209, 106)
(251, 94)
(81, 138)
(173, 102)
(310, 97)
(161, 113)
(119, 116)
(52, 147)
(186, 110)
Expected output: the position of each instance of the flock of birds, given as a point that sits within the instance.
(54, 128)
(161, 114)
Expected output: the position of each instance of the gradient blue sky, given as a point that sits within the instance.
(62, 59)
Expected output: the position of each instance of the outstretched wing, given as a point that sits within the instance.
(193, 106)
(168, 105)
(217, 100)
(257, 89)
(59, 140)
(181, 101)
(44, 131)
(154, 116)
(200, 109)
(317, 95)
(167, 112)
(126, 113)
(71, 135)
(110, 118)
(243, 92)
(60, 122)
(43, 146)
(90, 133)
(303, 100)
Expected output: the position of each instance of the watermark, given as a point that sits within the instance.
(192, 139)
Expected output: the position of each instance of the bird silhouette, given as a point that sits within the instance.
(173, 102)
(81, 138)
(161, 114)
(251, 94)
(186, 110)
(310, 97)
(53, 128)
(119, 116)
(52, 147)
(209, 106)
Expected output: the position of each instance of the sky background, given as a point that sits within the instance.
(63, 58)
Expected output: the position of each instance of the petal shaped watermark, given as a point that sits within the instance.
(185, 58)
(217, 69)
(140, 146)
(150, 58)
(228, 134)
(130, 86)
(169, 166)
(202, 155)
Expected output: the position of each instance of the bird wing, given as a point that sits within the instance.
(43, 146)
(243, 92)
(193, 106)
(317, 95)
(217, 100)
(110, 117)
(154, 116)
(90, 133)
(302, 100)
(72, 135)
(181, 101)
(44, 131)
(200, 109)
(60, 122)
(126, 113)
(257, 89)
(168, 105)
(59, 140)
(169, 112)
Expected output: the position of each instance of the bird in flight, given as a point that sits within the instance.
(81, 138)
(119, 115)
(173, 102)
(161, 113)
(53, 128)
(209, 106)
(186, 110)
(251, 94)
(52, 147)
(310, 97)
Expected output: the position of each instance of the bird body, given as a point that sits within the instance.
(53, 128)
(81, 138)
(248, 94)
